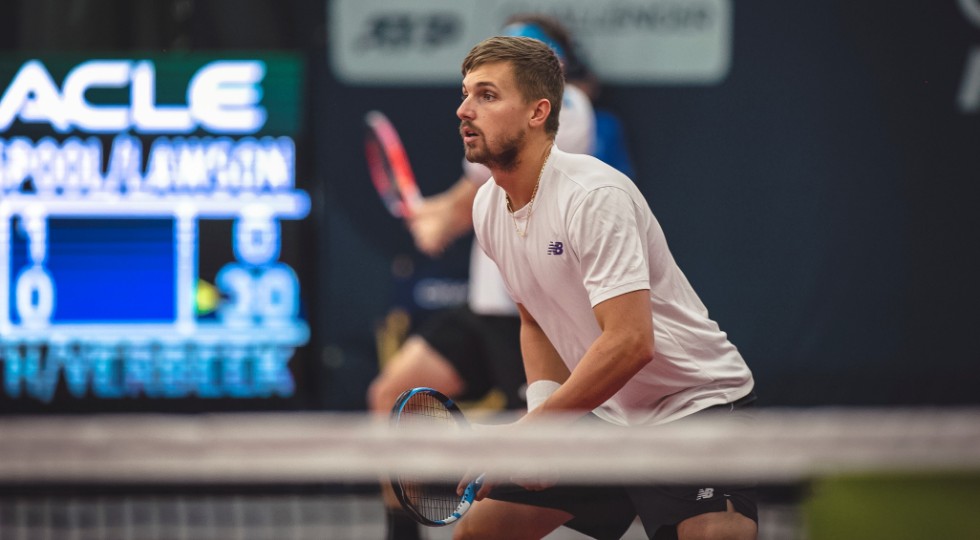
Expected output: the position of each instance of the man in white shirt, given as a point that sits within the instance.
(467, 352)
(605, 311)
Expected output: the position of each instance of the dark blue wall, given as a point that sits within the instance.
(820, 199)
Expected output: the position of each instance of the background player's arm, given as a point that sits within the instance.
(441, 219)
(622, 349)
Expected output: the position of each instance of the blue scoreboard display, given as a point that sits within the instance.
(143, 204)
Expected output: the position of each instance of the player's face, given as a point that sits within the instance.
(493, 116)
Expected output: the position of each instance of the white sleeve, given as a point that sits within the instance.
(576, 123)
(610, 250)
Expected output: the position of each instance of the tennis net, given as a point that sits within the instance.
(314, 475)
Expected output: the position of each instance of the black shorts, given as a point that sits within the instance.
(484, 349)
(606, 512)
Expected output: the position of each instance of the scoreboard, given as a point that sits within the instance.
(118, 177)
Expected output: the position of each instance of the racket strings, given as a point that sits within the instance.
(383, 174)
(389, 167)
(434, 501)
(423, 409)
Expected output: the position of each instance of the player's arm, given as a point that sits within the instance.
(622, 349)
(441, 219)
(541, 363)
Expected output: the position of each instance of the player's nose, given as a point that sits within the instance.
(465, 110)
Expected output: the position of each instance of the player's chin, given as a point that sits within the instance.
(474, 155)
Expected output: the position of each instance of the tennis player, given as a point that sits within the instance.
(469, 351)
(604, 308)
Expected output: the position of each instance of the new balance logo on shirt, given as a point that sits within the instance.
(555, 248)
(705, 493)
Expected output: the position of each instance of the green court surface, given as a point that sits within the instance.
(895, 507)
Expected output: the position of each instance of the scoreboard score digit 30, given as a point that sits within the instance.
(110, 171)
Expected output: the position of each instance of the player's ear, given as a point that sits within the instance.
(540, 112)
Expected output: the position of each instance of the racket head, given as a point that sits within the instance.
(430, 503)
(391, 173)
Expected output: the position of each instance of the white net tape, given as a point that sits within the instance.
(776, 446)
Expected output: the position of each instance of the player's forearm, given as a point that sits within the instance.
(454, 208)
(623, 347)
(443, 218)
(462, 194)
(608, 365)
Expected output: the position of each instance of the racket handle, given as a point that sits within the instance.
(470, 492)
(466, 501)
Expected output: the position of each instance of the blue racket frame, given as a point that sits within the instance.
(466, 500)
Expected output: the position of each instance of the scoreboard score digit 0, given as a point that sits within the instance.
(110, 171)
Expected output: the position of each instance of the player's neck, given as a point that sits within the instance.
(520, 182)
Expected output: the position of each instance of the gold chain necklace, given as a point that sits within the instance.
(530, 203)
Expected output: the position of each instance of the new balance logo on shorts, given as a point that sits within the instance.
(705, 493)
(555, 248)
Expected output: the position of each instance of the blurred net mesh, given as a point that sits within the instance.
(314, 475)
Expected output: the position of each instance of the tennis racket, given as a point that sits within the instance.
(432, 504)
(391, 173)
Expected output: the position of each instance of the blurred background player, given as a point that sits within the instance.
(473, 350)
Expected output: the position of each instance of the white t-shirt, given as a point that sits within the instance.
(591, 236)
(576, 134)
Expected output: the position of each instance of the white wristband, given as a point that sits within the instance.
(538, 392)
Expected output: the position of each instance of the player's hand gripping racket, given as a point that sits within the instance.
(391, 173)
(433, 504)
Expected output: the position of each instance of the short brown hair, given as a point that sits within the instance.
(537, 71)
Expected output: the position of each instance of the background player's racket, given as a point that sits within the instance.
(433, 504)
(388, 164)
